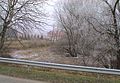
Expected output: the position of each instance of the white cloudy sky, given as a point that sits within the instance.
(49, 10)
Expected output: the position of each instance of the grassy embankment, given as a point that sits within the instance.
(55, 76)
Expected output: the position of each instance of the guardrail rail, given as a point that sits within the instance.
(61, 66)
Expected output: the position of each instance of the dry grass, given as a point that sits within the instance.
(27, 44)
(41, 50)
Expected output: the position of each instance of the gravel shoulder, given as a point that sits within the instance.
(7, 79)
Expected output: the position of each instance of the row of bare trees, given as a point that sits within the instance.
(92, 30)
(30, 37)
(20, 15)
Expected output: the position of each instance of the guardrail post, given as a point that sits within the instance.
(28, 68)
(98, 77)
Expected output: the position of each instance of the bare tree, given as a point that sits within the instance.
(66, 20)
(21, 15)
(107, 25)
(72, 21)
(114, 30)
(92, 28)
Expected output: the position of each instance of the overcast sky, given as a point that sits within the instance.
(49, 10)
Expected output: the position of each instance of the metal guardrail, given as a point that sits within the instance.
(61, 66)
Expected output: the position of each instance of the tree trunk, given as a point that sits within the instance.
(118, 59)
(2, 40)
